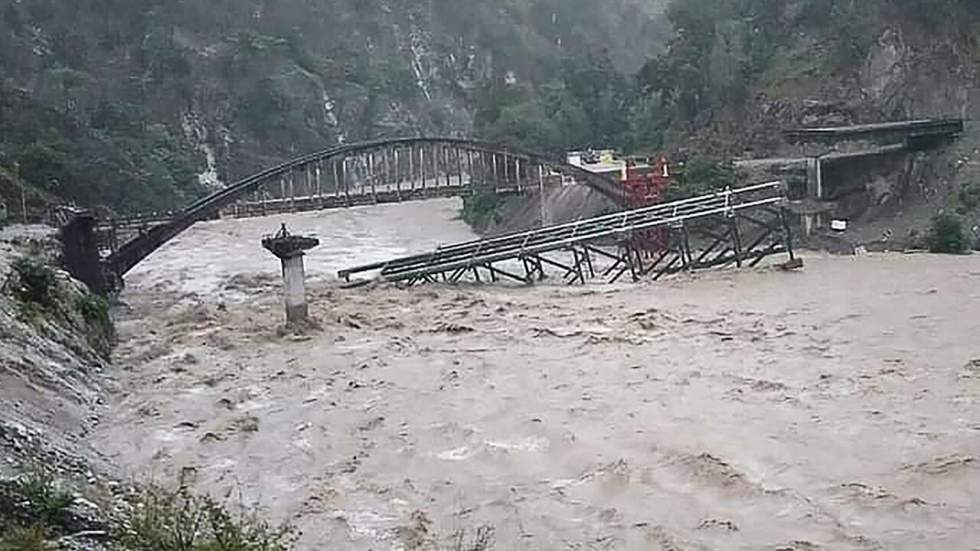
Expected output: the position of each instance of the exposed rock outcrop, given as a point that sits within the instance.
(54, 343)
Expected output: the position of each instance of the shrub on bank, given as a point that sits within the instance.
(946, 235)
(94, 309)
(482, 209)
(99, 330)
(32, 509)
(179, 521)
(20, 538)
(969, 199)
(35, 512)
(34, 282)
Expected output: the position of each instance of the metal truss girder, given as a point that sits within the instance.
(700, 232)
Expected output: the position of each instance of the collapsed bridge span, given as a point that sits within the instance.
(734, 226)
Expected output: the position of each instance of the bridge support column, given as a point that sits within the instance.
(813, 219)
(290, 249)
(294, 277)
(814, 178)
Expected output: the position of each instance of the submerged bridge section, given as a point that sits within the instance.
(740, 226)
(355, 174)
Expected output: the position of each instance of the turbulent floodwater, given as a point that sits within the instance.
(830, 409)
(211, 256)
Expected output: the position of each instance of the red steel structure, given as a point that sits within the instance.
(645, 187)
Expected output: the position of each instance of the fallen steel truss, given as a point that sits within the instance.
(731, 227)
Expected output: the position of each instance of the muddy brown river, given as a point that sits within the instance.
(834, 408)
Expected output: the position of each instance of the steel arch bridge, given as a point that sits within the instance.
(381, 171)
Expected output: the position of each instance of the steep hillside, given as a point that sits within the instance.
(54, 344)
(140, 105)
(736, 73)
(759, 63)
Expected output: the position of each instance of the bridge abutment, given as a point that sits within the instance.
(80, 249)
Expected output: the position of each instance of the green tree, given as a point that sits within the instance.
(547, 118)
(647, 121)
(946, 235)
(67, 81)
(701, 175)
(264, 108)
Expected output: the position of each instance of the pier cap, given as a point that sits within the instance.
(286, 245)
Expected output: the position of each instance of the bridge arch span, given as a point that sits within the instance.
(367, 173)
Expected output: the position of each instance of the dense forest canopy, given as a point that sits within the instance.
(126, 103)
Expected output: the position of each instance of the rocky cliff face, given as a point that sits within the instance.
(214, 90)
(907, 60)
(903, 69)
(54, 345)
(737, 74)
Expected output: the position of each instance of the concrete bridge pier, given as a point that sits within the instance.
(290, 249)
